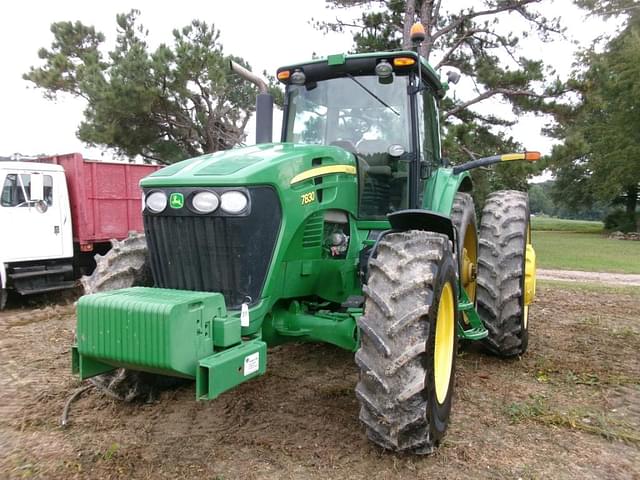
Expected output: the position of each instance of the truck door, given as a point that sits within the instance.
(34, 230)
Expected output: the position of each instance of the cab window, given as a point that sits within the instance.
(14, 190)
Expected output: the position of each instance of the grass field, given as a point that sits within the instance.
(562, 225)
(582, 245)
(586, 251)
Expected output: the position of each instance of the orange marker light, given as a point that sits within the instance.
(417, 33)
(284, 75)
(403, 61)
(532, 156)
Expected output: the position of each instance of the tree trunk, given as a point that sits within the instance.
(632, 199)
(631, 204)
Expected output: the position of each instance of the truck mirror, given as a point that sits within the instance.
(37, 187)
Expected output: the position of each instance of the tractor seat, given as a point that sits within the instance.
(372, 147)
(375, 154)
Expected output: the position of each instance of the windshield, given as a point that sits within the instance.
(344, 109)
(365, 117)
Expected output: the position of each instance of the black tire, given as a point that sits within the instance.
(504, 234)
(463, 217)
(126, 265)
(397, 389)
(4, 294)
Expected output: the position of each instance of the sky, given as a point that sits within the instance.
(267, 33)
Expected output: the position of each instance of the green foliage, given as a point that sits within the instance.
(178, 101)
(623, 221)
(600, 156)
(469, 39)
(609, 8)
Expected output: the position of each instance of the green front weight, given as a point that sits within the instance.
(152, 330)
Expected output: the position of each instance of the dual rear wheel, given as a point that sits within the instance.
(408, 331)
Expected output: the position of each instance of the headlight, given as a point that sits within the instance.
(157, 202)
(233, 201)
(205, 202)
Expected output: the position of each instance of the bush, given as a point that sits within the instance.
(622, 221)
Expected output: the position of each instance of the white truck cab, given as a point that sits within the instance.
(36, 242)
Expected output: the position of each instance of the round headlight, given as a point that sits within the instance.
(205, 202)
(233, 201)
(157, 202)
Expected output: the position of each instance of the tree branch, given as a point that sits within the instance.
(506, 6)
(490, 93)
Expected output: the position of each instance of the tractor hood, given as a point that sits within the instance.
(277, 164)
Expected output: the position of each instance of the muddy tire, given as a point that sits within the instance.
(410, 299)
(124, 266)
(504, 231)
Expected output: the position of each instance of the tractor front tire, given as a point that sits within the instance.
(125, 265)
(504, 234)
(408, 342)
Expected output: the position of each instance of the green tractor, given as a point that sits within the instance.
(352, 231)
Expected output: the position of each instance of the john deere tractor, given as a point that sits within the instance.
(352, 231)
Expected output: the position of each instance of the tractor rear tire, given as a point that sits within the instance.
(504, 234)
(463, 217)
(408, 342)
(125, 265)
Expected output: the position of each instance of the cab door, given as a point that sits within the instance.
(32, 230)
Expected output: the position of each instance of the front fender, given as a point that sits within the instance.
(423, 220)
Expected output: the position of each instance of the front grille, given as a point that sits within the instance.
(215, 253)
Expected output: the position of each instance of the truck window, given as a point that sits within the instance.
(13, 194)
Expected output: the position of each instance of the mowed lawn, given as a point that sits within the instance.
(580, 245)
(562, 225)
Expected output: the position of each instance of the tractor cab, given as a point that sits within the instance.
(377, 107)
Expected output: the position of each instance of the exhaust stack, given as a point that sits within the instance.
(264, 103)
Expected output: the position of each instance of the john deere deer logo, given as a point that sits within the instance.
(176, 200)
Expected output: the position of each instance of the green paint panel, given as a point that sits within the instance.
(150, 329)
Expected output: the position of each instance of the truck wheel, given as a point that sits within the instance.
(503, 274)
(408, 342)
(463, 217)
(125, 266)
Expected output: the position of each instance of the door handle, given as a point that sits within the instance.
(56, 229)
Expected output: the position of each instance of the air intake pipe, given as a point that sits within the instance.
(264, 103)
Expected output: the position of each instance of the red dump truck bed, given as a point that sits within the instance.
(104, 196)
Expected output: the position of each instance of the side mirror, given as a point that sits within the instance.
(37, 187)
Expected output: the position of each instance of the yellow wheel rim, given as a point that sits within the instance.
(529, 278)
(443, 350)
(469, 257)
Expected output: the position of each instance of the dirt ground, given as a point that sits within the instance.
(569, 408)
(629, 279)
